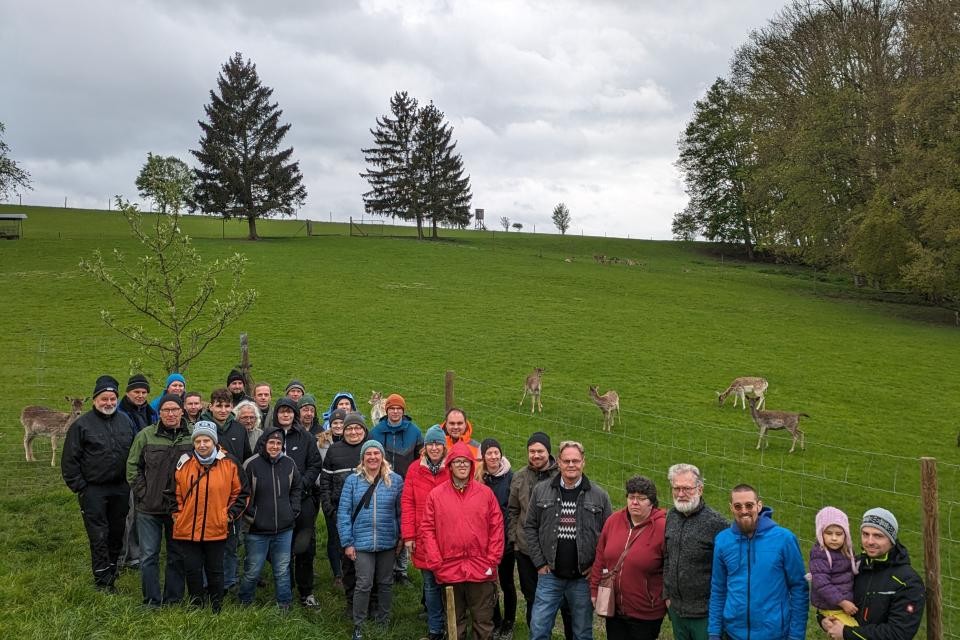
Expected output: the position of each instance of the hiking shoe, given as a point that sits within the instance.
(505, 632)
(310, 602)
(357, 633)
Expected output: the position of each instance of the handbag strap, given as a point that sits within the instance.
(365, 500)
(626, 548)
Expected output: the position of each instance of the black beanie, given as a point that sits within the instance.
(170, 397)
(106, 383)
(138, 381)
(491, 442)
(541, 437)
(235, 375)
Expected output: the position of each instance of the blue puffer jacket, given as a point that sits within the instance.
(758, 590)
(377, 526)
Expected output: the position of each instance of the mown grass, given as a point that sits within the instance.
(391, 313)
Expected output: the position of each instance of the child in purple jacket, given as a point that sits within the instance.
(832, 567)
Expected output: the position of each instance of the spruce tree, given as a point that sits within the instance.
(243, 171)
(443, 188)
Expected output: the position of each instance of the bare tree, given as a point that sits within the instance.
(505, 223)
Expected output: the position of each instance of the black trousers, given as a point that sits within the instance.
(199, 559)
(509, 589)
(104, 509)
(623, 628)
(304, 549)
(528, 575)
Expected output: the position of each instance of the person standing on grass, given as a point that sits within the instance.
(402, 441)
(495, 472)
(263, 396)
(562, 528)
(175, 385)
(427, 473)
(325, 440)
(93, 466)
(136, 406)
(150, 468)
(295, 390)
(758, 587)
(459, 429)
(688, 557)
(237, 387)
(275, 488)
(192, 406)
(210, 498)
(342, 400)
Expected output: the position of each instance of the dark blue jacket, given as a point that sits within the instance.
(402, 442)
(141, 417)
(275, 488)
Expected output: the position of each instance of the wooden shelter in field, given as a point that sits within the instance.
(11, 225)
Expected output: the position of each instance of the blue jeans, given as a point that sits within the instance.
(434, 601)
(278, 548)
(230, 555)
(551, 591)
(152, 532)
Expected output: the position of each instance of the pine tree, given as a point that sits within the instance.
(243, 172)
(443, 189)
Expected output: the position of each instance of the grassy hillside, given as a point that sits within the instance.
(392, 314)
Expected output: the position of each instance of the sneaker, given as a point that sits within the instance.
(310, 602)
(357, 633)
(506, 631)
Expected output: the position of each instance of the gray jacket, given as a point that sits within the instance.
(540, 527)
(518, 504)
(688, 559)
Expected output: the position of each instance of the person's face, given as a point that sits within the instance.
(395, 413)
(106, 402)
(137, 396)
(203, 445)
(274, 446)
(537, 456)
(345, 404)
(460, 468)
(170, 414)
(686, 492)
(235, 387)
(336, 426)
(308, 413)
(456, 425)
(285, 416)
(353, 434)
(639, 506)
(372, 459)
(435, 451)
(192, 405)
(875, 543)
(247, 418)
(491, 459)
(295, 394)
(745, 506)
(176, 387)
(221, 410)
(262, 396)
(571, 464)
(834, 537)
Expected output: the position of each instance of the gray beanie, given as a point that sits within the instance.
(354, 417)
(205, 428)
(435, 434)
(883, 520)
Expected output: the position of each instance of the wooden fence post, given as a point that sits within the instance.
(931, 547)
(451, 612)
(245, 365)
(448, 397)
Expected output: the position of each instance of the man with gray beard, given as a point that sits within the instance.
(688, 554)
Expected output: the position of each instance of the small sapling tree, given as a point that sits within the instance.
(505, 223)
(561, 218)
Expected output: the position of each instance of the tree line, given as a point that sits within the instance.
(833, 141)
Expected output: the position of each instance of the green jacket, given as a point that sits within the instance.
(151, 465)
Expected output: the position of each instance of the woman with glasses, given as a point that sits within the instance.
(631, 545)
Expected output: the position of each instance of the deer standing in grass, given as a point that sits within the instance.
(774, 420)
(532, 386)
(743, 388)
(377, 410)
(39, 421)
(608, 403)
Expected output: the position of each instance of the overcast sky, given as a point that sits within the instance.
(579, 102)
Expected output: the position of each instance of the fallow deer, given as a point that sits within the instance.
(532, 386)
(377, 410)
(774, 420)
(39, 421)
(743, 388)
(608, 403)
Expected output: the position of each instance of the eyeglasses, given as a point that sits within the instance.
(638, 499)
(460, 462)
(747, 506)
(353, 427)
(685, 489)
(174, 410)
(571, 463)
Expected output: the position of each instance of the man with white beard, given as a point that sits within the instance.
(688, 554)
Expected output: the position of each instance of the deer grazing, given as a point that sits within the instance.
(743, 388)
(377, 410)
(608, 403)
(532, 386)
(774, 420)
(39, 421)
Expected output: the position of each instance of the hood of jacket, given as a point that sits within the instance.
(262, 443)
(462, 450)
(467, 434)
(337, 398)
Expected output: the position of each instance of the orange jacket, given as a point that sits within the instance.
(466, 438)
(209, 499)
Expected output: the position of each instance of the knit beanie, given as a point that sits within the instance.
(138, 381)
(206, 428)
(883, 520)
(831, 516)
(295, 384)
(338, 414)
(372, 444)
(542, 438)
(395, 400)
(235, 374)
(105, 383)
(175, 377)
(307, 400)
(435, 434)
(354, 417)
(170, 397)
(492, 442)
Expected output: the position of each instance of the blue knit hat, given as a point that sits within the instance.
(371, 444)
(435, 434)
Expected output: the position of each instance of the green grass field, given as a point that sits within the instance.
(392, 314)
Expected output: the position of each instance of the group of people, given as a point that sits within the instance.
(253, 474)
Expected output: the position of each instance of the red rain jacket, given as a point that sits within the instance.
(417, 485)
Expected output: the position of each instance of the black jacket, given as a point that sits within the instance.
(231, 437)
(141, 417)
(890, 597)
(301, 447)
(95, 450)
(688, 559)
(275, 489)
(341, 460)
